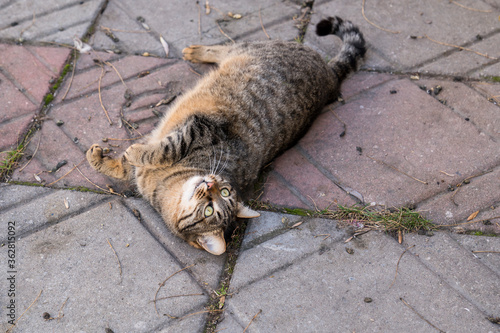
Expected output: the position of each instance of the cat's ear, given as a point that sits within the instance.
(213, 243)
(246, 213)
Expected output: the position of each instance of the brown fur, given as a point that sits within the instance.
(215, 140)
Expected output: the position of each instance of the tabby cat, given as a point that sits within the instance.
(211, 145)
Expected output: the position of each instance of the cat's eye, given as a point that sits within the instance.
(209, 210)
(224, 192)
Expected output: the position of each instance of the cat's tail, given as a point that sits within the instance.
(353, 49)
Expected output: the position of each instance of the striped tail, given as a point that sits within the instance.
(353, 49)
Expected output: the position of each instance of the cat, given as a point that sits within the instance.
(195, 166)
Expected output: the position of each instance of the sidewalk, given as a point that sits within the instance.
(418, 126)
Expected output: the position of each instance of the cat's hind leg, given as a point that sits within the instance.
(209, 54)
(116, 168)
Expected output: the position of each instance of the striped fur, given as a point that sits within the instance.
(195, 167)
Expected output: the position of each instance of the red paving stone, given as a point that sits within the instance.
(278, 194)
(410, 131)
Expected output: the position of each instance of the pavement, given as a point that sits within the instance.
(418, 126)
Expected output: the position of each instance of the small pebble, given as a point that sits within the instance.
(46, 316)
(393, 91)
(59, 123)
(368, 300)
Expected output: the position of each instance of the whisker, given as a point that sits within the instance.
(225, 163)
(218, 163)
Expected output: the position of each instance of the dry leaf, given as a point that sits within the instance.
(66, 203)
(145, 26)
(207, 8)
(237, 16)
(296, 225)
(165, 46)
(81, 46)
(472, 216)
(38, 179)
(221, 302)
(415, 77)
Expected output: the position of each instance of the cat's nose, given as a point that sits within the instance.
(209, 185)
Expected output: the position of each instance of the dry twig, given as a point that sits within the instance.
(485, 251)
(468, 8)
(418, 314)
(163, 284)
(95, 184)
(67, 173)
(459, 186)
(117, 259)
(376, 26)
(195, 313)
(222, 32)
(34, 153)
(13, 325)
(470, 222)
(262, 24)
(174, 296)
(394, 168)
(252, 320)
(29, 26)
(72, 76)
(397, 265)
(459, 47)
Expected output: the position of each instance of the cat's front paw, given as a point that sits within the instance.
(134, 154)
(193, 53)
(94, 155)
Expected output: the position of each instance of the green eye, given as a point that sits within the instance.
(224, 192)
(209, 210)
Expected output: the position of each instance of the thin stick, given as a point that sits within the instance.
(67, 173)
(199, 18)
(448, 174)
(127, 31)
(485, 251)
(72, 76)
(394, 168)
(473, 9)
(163, 284)
(376, 26)
(29, 26)
(195, 313)
(100, 97)
(10, 328)
(222, 31)
(262, 24)
(34, 153)
(96, 184)
(252, 320)
(192, 70)
(118, 73)
(459, 186)
(130, 139)
(117, 259)
(460, 47)
(470, 222)
(422, 317)
(397, 265)
(60, 314)
(159, 299)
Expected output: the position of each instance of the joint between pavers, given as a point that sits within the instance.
(295, 191)
(165, 248)
(20, 87)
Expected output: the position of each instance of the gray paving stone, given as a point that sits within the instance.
(283, 250)
(48, 209)
(17, 194)
(409, 18)
(72, 260)
(181, 27)
(481, 194)
(325, 292)
(460, 269)
(207, 269)
(482, 243)
(55, 21)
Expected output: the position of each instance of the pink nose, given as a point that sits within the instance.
(209, 185)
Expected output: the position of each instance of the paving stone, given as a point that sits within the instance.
(31, 73)
(325, 292)
(11, 133)
(413, 18)
(319, 191)
(48, 208)
(182, 28)
(469, 104)
(264, 259)
(361, 81)
(47, 20)
(15, 194)
(459, 63)
(480, 195)
(207, 269)
(15, 103)
(482, 243)
(72, 260)
(410, 131)
(490, 90)
(459, 268)
(488, 72)
(277, 193)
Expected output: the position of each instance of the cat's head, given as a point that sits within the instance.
(208, 204)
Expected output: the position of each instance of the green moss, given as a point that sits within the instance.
(493, 78)
(298, 211)
(48, 99)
